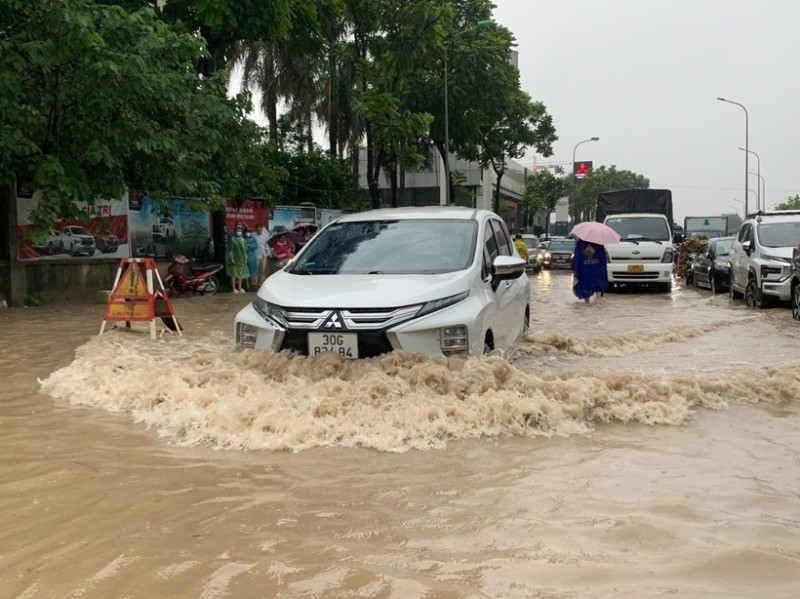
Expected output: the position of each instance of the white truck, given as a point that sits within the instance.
(705, 226)
(643, 219)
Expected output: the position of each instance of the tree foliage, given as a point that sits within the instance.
(583, 199)
(97, 98)
(543, 191)
(790, 203)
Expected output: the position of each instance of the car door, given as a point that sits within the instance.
(508, 295)
(739, 257)
(700, 265)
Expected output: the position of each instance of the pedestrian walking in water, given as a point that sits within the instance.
(590, 270)
(236, 260)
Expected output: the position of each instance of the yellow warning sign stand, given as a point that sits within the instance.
(135, 297)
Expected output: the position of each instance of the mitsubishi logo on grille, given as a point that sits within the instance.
(334, 322)
(635, 252)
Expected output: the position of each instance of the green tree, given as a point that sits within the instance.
(734, 222)
(490, 119)
(790, 203)
(543, 191)
(97, 98)
(583, 199)
(326, 181)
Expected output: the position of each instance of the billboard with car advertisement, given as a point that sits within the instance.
(136, 226)
(159, 231)
(102, 232)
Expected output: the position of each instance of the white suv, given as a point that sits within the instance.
(433, 280)
(761, 257)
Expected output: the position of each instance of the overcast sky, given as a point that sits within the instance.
(644, 77)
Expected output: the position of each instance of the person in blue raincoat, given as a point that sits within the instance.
(252, 259)
(590, 270)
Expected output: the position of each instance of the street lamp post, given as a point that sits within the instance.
(746, 147)
(477, 25)
(575, 149)
(758, 160)
(763, 190)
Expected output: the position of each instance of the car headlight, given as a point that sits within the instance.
(668, 256)
(269, 311)
(439, 304)
(722, 265)
(547, 255)
(781, 270)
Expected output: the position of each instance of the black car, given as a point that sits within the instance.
(561, 251)
(710, 267)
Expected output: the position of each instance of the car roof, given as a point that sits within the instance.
(779, 215)
(415, 213)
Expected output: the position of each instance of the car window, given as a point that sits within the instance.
(638, 227)
(418, 246)
(723, 247)
(562, 245)
(779, 234)
(502, 237)
(531, 242)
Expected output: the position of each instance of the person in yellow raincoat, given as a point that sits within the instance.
(521, 247)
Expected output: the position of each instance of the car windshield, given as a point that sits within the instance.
(723, 248)
(79, 231)
(780, 234)
(640, 227)
(415, 246)
(531, 243)
(562, 245)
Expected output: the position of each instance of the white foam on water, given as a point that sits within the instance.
(202, 392)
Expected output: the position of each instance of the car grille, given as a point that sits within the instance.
(353, 319)
(638, 276)
(636, 259)
(370, 324)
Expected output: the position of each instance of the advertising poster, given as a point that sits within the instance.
(160, 232)
(291, 217)
(102, 233)
(250, 212)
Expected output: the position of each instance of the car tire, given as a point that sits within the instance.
(753, 296)
(712, 282)
(796, 302)
(689, 277)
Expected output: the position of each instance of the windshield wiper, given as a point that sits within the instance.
(638, 239)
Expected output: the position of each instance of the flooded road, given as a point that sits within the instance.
(646, 445)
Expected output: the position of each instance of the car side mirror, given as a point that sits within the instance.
(507, 268)
(747, 247)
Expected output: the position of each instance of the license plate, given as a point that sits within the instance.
(635, 267)
(344, 344)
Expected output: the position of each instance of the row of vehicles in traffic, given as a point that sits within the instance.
(761, 264)
(75, 240)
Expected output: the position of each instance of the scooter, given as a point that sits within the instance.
(194, 278)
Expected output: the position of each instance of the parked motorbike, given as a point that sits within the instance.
(184, 277)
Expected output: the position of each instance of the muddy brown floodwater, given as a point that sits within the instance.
(643, 446)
